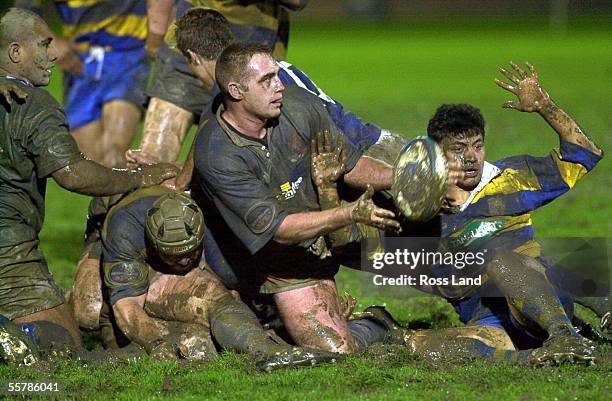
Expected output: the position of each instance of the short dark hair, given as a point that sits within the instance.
(452, 119)
(12, 27)
(204, 31)
(232, 64)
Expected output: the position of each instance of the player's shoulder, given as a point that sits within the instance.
(295, 97)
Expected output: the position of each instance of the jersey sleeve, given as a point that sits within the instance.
(126, 273)
(49, 142)
(532, 181)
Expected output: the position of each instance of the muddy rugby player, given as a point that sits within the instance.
(37, 146)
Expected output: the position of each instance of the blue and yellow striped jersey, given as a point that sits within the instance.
(498, 213)
(112, 24)
(262, 21)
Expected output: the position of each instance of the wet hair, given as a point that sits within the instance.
(204, 31)
(233, 63)
(13, 26)
(452, 119)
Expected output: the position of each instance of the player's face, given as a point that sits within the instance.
(182, 264)
(264, 91)
(469, 148)
(38, 55)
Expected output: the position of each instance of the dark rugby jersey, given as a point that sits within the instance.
(34, 143)
(247, 189)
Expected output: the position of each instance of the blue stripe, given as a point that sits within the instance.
(101, 11)
(577, 154)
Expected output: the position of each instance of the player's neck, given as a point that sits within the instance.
(246, 123)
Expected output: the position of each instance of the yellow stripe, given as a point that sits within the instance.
(530, 248)
(510, 181)
(129, 25)
(262, 15)
(83, 3)
(570, 172)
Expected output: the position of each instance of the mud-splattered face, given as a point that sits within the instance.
(469, 149)
(263, 91)
(181, 264)
(38, 55)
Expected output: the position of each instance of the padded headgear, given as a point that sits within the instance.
(175, 224)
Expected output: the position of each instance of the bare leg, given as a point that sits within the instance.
(89, 140)
(120, 120)
(60, 315)
(312, 316)
(86, 295)
(165, 127)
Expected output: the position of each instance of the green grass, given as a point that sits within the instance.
(396, 74)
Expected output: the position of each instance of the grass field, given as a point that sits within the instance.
(396, 74)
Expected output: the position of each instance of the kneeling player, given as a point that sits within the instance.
(151, 253)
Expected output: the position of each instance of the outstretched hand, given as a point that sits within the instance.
(328, 163)
(365, 211)
(531, 96)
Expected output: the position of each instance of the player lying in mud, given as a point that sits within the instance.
(517, 304)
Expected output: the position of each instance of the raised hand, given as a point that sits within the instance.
(531, 96)
(328, 163)
(365, 211)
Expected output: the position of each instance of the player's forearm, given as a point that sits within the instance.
(135, 323)
(566, 127)
(369, 171)
(87, 177)
(299, 227)
(329, 199)
(158, 16)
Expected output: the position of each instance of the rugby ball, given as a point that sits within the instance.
(420, 179)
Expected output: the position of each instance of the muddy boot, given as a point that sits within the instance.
(564, 349)
(295, 357)
(395, 332)
(16, 348)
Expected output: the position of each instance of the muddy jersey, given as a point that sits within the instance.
(248, 187)
(126, 271)
(34, 143)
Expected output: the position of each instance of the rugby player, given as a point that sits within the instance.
(153, 269)
(105, 69)
(494, 203)
(35, 146)
(201, 35)
(252, 162)
(178, 98)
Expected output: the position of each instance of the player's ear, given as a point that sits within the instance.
(235, 90)
(193, 57)
(14, 52)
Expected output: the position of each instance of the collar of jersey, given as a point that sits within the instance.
(14, 78)
(489, 171)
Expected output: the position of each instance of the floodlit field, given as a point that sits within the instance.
(396, 74)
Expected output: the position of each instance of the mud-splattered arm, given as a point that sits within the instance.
(139, 327)
(368, 171)
(90, 178)
(532, 97)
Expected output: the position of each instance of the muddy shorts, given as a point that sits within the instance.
(26, 286)
(175, 83)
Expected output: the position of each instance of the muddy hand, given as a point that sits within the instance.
(136, 157)
(455, 170)
(526, 86)
(366, 212)
(328, 163)
(8, 89)
(155, 174)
